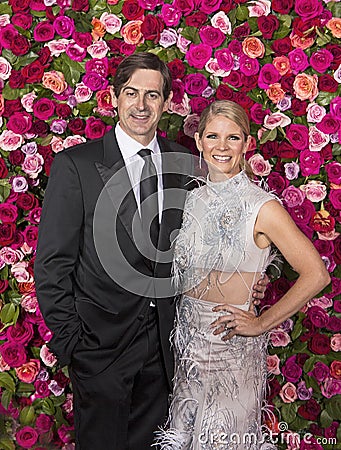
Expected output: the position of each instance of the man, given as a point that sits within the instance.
(96, 274)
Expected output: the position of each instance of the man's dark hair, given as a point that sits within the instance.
(143, 60)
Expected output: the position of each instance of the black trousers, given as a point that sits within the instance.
(121, 407)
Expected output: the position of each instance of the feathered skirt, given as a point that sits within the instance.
(218, 385)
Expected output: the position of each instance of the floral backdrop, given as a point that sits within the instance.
(281, 61)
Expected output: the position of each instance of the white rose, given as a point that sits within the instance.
(5, 69)
(275, 120)
(221, 21)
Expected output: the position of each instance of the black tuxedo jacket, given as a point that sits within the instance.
(94, 282)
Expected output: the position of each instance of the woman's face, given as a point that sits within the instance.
(223, 144)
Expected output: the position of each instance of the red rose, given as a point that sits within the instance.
(274, 388)
(335, 50)
(47, 164)
(16, 157)
(12, 106)
(287, 151)
(235, 79)
(3, 168)
(7, 34)
(298, 107)
(243, 100)
(334, 324)
(3, 286)
(280, 287)
(224, 92)
(198, 104)
(113, 64)
(26, 201)
(43, 108)
(287, 83)
(16, 80)
(277, 183)
(151, 28)
(77, 126)
(226, 6)
(44, 150)
(304, 28)
(282, 6)
(33, 72)
(301, 358)
(7, 233)
(242, 31)
(20, 45)
(327, 83)
(40, 128)
(63, 110)
(94, 128)
(185, 6)
(80, 5)
(310, 410)
(31, 236)
(282, 46)
(177, 68)
(268, 25)
(19, 5)
(249, 82)
(196, 20)
(22, 20)
(319, 344)
(269, 149)
(44, 55)
(337, 250)
(20, 122)
(132, 10)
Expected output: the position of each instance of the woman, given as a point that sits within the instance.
(222, 248)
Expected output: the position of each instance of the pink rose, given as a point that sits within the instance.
(275, 120)
(212, 66)
(28, 372)
(29, 302)
(303, 392)
(111, 22)
(27, 101)
(259, 165)
(8, 255)
(82, 93)
(54, 81)
(331, 387)
(279, 338)
(168, 37)
(75, 52)
(33, 165)
(58, 46)
(258, 8)
(198, 55)
(335, 342)
(98, 49)
(272, 364)
(70, 141)
(20, 273)
(47, 356)
(64, 433)
(182, 43)
(315, 112)
(13, 354)
(310, 163)
(182, 108)
(220, 20)
(335, 106)
(288, 393)
(5, 69)
(293, 196)
(10, 141)
(26, 437)
(292, 170)
(314, 190)
(323, 302)
(191, 125)
(320, 371)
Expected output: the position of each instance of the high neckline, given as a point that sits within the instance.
(234, 181)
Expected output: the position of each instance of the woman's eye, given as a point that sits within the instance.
(234, 138)
(211, 136)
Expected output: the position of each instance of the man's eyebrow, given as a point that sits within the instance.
(155, 91)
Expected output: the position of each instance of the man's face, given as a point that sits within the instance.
(140, 105)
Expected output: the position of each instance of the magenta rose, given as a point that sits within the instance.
(333, 171)
(82, 39)
(22, 20)
(26, 437)
(234, 79)
(329, 124)
(293, 196)
(303, 213)
(248, 66)
(277, 183)
(64, 26)
(258, 113)
(198, 104)
(209, 6)
(310, 163)
(7, 34)
(43, 108)
(94, 81)
(324, 247)
(198, 55)
(335, 198)
(31, 236)
(319, 344)
(8, 213)
(318, 316)
(43, 32)
(335, 107)
(320, 371)
(170, 15)
(298, 136)
(291, 370)
(321, 60)
(20, 122)
(268, 75)
(331, 387)
(13, 354)
(94, 128)
(20, 333)
(235, 47)
(195, 83)
(225, 59)
(44, 423)
(308, 9)
(334, 324)
(211, 36)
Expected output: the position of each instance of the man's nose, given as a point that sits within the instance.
(141, 102)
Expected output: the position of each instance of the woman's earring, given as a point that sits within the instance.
(200, 159)
(243, 162)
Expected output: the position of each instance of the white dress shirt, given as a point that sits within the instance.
(134, 163)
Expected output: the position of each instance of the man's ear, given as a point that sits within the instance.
(114, 100)
(167, 102)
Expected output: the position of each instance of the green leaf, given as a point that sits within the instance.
(324, 98)
(281, 32)
(5, 8)
(289, 412)
(9, 314)
(5, 190)
(192, 34)
(25, 388)
(48, 407)
(6, 444)
(336, 149)
(86, 109)
(82, 21)
(285, 19)
(98, 5)
(325, 419)
(297, 331)
(242, 13)
(11, 58)
(12, 94)
(27, 415)
(269, 135)
(6, 399)
(7, 382)
(333, 407)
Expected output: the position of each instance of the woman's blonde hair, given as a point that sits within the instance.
(232, 111)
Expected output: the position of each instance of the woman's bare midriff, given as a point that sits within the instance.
(221, 287)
